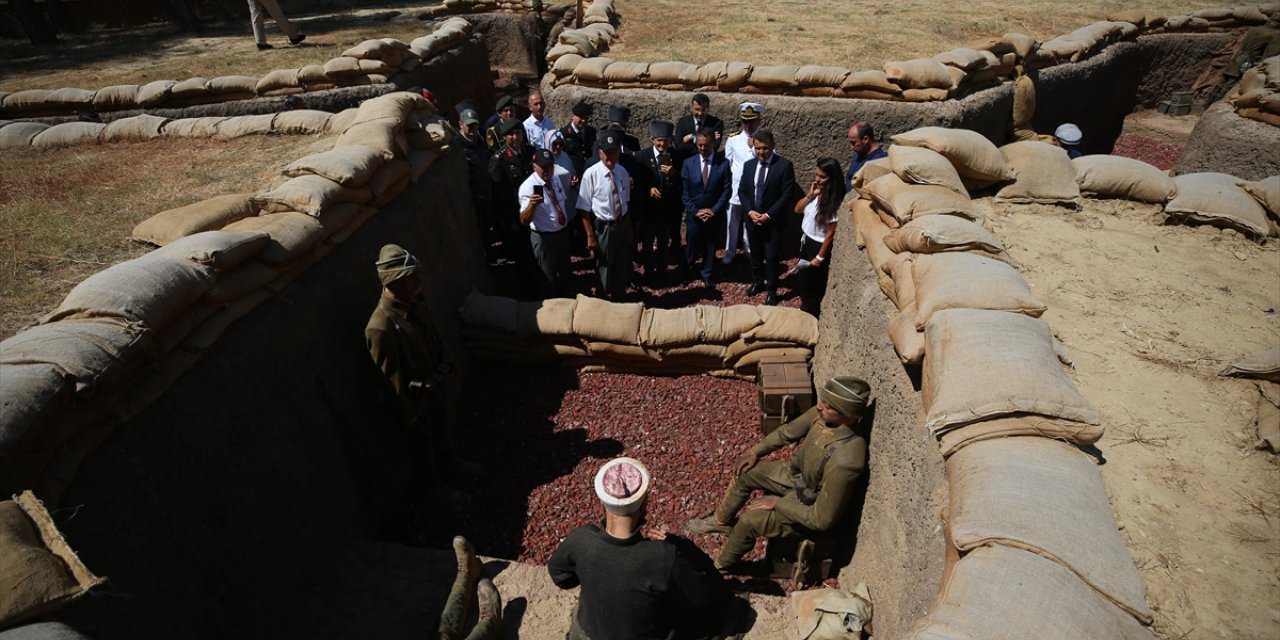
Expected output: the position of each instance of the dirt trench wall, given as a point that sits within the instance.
(901, 549)
(213, 508)
(1225, 142)
(515, 42)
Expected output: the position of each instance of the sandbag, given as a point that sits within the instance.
(1024, 101)
(20, 134)
(921, 73)
(192, 127)
(670, 327)
(908, 342)
(1042, 172)
(615, 353)
(1212, 198)
(142, 127)
(925, 95)
(874, 80)
(155, 93)
(749, 364)
(489, 312)
(742, 347)
(904, 282)
(239, 85)
(966, 281)
(30, 396)
(388, 181)
(151, 289)
(220, 250)
(871, 171)
(973, 156)
(238, 126)
(784, 324)
(1263, 366)
(1266, 192)
(385, 136)
(308, 194)
(116, 98)
(205, 215)
(90, 354)
(962, 58)
(69, 98)
(550, 317)
(39, 572)
(984, 364)
(301, 122)
(1023, 44)
(342, 67)
(566, 64)
(68, 134)
(722, 325)
(293, 235)
(591, 70)
(1002, 593)
(1074, 432)
(190, 90)
(906, 202)
(734, 75)
(626, 71)
(918, 165)
(311, 75)
(773, 76)
(1047, 498)
(1120, 177)
(935, 234)
(348, 165)
(603, 321)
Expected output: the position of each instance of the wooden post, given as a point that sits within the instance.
(579, 14)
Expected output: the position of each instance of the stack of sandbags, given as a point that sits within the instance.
(448, 35)
(973, 69)
(1257, 96)
(1218, 199)
(1267, 193)
(626, 337)
(921, 79)
(1082, 42)
(39, 572)
(148, 127)
(976, 160)
(1219, 18)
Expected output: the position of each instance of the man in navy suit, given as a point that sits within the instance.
(767, 194)
(706, 178)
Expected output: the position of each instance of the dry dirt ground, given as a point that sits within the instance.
(1151, 314)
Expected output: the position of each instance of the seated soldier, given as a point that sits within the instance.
(806, 496)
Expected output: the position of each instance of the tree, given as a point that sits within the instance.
(34, 22)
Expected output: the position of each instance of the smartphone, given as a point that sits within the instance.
(665, 158)
(537, 189)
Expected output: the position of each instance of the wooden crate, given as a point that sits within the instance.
(786, 390)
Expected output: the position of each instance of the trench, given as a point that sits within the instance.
(218, 518)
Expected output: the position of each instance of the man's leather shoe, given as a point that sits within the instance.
(296, 40)
(771, 300)
(706, 283)
(756, 289)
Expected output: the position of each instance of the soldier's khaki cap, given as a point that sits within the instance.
(394, 262)
(846, 394)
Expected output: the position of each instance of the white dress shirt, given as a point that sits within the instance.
(544, 215)
(595, 193)
(737, 150)
(535, 131)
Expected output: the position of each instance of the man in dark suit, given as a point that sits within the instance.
(619, 118)
(579, 136)
(706, 186)
(662, 208)
(767, 193)
(689, 126)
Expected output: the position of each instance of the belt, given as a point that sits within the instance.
(547, 233)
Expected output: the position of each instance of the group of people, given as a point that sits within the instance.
(542, 193)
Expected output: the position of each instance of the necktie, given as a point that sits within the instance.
(706, 167)
(760, 174)
(555, 203)
(615, 201)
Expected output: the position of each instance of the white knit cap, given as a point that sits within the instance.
(1068, 134)
(622, 485)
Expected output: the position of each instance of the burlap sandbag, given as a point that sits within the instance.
(966, 281)
(69, 98)
(742, 347)
(1024, 101)
(591, 70)
(722, 325)
(497, 313)
(192, 127)
(565, 65)
(308, 194)
(963, 58)
(1043, 174)
(1067, 431)
(1002, 593)
(116, 98)
(293, 235)
(301, 122)
(749, 364)
(925, 95)
(904, 282)
(142, 127)
(973, 156)
(1265, 191)
(221, 250)
(985, 364)
(388, 181)
(240, 282)
(232, 85)
(935, 234)
(550, 317)
(26, 100)
(39, 572)
(773, 76)
(870, 171)
(906, 202)
(872, 230)
(1048, 498)
(239, 126)
(670, 327)
(734, 75)
(784, 324)
(68, 134)
(205, 215)
(1215, 199)
(342, 67)
(921, 73)
(1263, 366)
(31, 395)
(90, 354)
(341, 120)
(151, 289)
(1120, 177)
(700, 353)
(385, 136)
(907, 341)
(20, 134)
(626, 71)
(918, 165)
(155, 93)
(874, 80)
(348, 165)
(600, 320)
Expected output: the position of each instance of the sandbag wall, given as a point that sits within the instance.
(597, 335)
(372, 62)
(576, 59)
(149, 127)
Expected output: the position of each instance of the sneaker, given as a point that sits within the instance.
(707, 525)
(295, 40)
(264, 47)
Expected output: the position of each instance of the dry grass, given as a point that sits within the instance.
(143, 55)
(844, 33)
(66, 214)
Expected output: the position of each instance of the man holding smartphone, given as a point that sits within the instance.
(543, 209)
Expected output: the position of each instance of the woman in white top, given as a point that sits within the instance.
(820, 208)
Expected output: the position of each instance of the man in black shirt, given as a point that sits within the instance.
(634, 588)
(688, 127)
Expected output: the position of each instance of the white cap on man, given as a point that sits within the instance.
(1068, 134)
(622, 484)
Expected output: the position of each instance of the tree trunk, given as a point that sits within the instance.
(34, 22)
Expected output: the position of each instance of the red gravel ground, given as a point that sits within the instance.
(1160, 154)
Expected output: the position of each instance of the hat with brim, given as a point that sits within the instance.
(749, 111)
(846, 394)
(469, 116)
(610, 141)
(661, 129)
(622, 484)
(394, 263)
(582, 109)
(504, 102)
(509, 125)
(543, 158)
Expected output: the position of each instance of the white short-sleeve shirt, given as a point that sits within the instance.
(595, 194)
(544, 216)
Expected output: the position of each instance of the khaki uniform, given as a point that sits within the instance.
(826, 464)
(403, 342)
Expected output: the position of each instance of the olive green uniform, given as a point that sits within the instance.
(827, 462)
(403, 342)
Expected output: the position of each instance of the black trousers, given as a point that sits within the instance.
(765, 241)
(813, 281)
(701, 241)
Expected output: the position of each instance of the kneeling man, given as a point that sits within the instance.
(807, 495)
